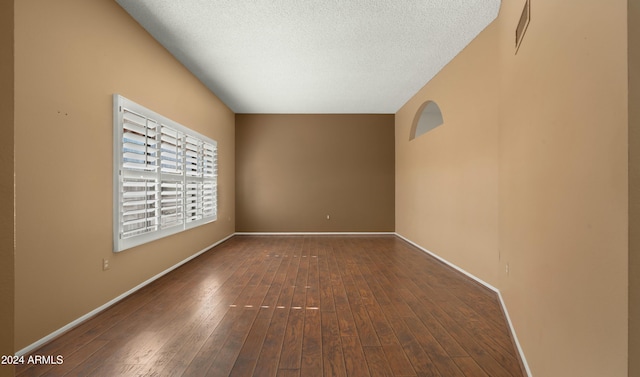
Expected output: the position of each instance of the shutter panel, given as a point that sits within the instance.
(193, 152)
(209, 193)
(210, 160)
(171, 155)
(139, 207)
(139, 144)
(194, 201)
(171, 203)
(210, 187)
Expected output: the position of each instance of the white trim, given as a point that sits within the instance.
(314, 233)
(477, 279)
(97, 310)
(515, 337)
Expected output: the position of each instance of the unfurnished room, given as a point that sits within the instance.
(320, 188)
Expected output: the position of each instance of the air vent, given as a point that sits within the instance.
(523, 23)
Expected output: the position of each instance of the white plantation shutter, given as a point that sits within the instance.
(165, 176)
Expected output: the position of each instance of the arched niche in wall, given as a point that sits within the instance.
(427, 118)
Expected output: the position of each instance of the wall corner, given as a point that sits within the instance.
(7, 191)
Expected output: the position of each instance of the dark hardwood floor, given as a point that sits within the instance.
(297, 306)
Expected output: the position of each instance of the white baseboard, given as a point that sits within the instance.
(97, 310)
(491, 287)
(314, 233)
(515, 337)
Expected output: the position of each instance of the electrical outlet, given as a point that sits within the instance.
(328, 217)
(105, 264)
(506, 269)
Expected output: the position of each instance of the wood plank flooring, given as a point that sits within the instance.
(297, 306)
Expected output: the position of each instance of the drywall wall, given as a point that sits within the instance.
(6, 185)
(554, 117)
(71, 56)
(447, 178)
(294, 170)
(563, 184)
(633, 42)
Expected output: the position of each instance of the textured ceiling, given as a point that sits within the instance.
(320, 56)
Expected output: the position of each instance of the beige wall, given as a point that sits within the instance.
(634, 187)
(6, 185)
(561, 182)
(294, 170)
(447, 179)
(563, 185)
(71, 56)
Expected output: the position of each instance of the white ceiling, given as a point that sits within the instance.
(314, 56)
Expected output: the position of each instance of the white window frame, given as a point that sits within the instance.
(165, 176)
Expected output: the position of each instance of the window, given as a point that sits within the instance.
(165, 176)
(427, 118)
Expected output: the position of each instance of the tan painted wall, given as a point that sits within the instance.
(6, 185)
(71, 56)
(447, 178)
(634, 187)
(561, 184)
(294, 170)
